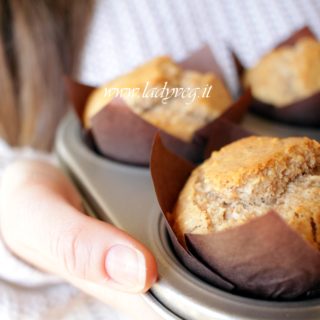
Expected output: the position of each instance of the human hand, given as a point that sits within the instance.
(42, 221)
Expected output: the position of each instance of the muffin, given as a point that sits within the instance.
(176, 115)
(248, 178)
(287, 74)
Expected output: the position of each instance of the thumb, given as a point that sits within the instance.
(41, 223)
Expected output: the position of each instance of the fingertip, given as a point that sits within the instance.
(130, 267)
(151, 270)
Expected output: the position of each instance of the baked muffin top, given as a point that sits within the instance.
(176, 115)
(247, 179)
(287, 74)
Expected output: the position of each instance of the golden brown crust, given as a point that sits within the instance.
(286, 74)
(250, 177)
(178, 116)
(156, 71)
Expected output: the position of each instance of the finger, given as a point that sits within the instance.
(41, 222)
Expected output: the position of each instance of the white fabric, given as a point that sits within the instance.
(125, 33)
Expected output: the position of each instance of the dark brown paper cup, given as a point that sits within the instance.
(305, 112)
(263, 258)
(120, 134)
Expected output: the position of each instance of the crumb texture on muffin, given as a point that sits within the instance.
(287, 74)
(248, 178)
(178, 115)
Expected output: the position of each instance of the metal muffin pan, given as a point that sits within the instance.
(123, 195)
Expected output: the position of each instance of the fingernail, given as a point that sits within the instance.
(126, 266)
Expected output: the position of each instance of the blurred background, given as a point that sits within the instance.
(95, 41)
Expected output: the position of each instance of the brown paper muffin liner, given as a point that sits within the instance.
(121, 134)
(305, 112)
(263, 258)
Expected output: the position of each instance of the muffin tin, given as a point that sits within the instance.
(123, 195)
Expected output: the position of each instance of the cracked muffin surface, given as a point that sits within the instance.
(286, 74)
(248, 178)
(180, 112)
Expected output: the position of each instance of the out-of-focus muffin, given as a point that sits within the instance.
(178, 115)
(248, 178)
(287, 74)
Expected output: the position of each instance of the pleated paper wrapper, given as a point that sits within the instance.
(120, 134)
(263, 258)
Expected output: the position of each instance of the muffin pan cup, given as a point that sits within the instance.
(120, 134)
(123, 195)
(305, 112)
(263, 258)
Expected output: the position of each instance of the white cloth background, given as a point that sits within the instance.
(126, 33)
(123, 34)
